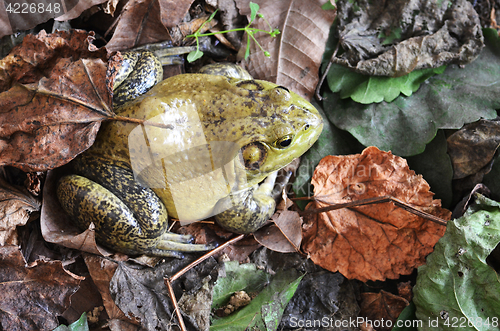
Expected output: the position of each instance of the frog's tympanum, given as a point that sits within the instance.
(210, 146)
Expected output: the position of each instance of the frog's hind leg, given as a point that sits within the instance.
(127, 216)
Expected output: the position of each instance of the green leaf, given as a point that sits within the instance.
(266, 309)
(369, 89)
(211, 16)
(254, 8)
(244, 277)
(456, 282)
(328, 6)
(194, 55)
(406, 320)
(247, 50)
(404, 126)
(79, 325)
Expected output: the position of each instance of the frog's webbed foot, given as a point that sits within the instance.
(173, 245)
(247, 211)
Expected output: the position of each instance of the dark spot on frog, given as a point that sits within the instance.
(250, 85)
(249, 104)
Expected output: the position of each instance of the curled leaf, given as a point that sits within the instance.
(393, 38)
(16, 205)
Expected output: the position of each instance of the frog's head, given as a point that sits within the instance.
(284, 127)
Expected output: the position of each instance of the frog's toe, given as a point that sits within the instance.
(175, 237)
(184, 247)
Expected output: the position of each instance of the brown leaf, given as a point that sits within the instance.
(56, 114)
(77, 10)
(284, 235)
(296, 52)
(473, 147)
(102, 270)
(139, 23)
(37, 55)
(382, 306)
(33, 295)
(16, 205)
(173, 11)
(17, 17)
(371, 242)
(405, 290)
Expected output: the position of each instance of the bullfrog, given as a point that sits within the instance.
(204, 145)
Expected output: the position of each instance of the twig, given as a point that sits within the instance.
(174, 302)
(370, 201)
(204, 257)
(322, 79)
(141, 122)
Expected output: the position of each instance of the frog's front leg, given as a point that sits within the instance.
(127, 216)
(248, 210)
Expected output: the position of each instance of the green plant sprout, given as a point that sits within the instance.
(254, 8)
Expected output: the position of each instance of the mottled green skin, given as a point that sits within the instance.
(131, 82)
(270, 125)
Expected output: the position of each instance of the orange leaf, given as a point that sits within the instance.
(371, 242)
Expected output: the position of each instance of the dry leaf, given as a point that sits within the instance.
(16, 205)
(472, 147)
(33, 295)
(77, 10)
(139, 23)
(101, 271)
(372, 242)
(393, 38)
(56, 114)
(405, 290)
(383, 306)
(296, 52)
(18, 17)
(284, 235)
(173, 11)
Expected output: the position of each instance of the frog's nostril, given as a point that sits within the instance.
(306, 127)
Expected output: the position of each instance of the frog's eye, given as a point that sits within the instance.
(283, 142)
(280, 94)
